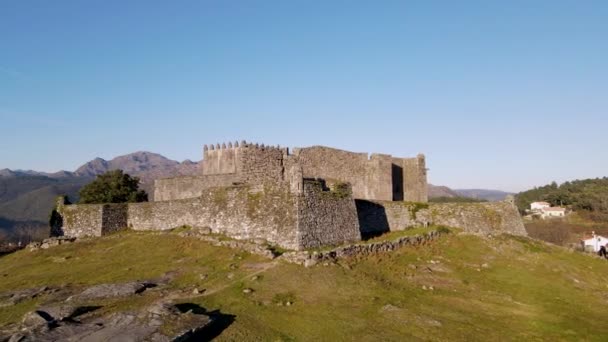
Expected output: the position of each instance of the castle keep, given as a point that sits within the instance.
(377, 177)
(307, 198)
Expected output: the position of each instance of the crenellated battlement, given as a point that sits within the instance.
(236, 145)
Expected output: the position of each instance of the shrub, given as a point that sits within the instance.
(113, 187)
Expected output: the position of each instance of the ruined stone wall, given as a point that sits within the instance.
(114, 218)
(480, 218)
(241, 212)
(327, 216)
(259, 164)
(415, 187)
(189, 187)
(370, 178)
(80, 220)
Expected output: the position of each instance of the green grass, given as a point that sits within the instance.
(394, 235)
(506, 288)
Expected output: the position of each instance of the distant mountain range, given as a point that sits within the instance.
(482, 194)
(26, 196)
(489, 195)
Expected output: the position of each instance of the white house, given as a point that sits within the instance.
(539, 205)
(553, 212)
(594, 242)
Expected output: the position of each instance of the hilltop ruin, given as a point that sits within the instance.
(301, 199)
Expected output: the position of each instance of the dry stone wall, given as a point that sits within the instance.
(189, 187)
(481, 218)
(241, 212)
(370, 178)
(81, 220)
(262, 164)
(326, 216)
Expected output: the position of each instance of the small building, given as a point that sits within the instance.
(593, 242)
(553, 212)
(539, 205)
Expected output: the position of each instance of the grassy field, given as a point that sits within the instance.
(460, 287)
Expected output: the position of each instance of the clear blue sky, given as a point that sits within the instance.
(497, 94)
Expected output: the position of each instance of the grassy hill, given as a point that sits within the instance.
(460, 287)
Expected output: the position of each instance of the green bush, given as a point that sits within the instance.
(113, 187)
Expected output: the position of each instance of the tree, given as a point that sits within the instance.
(113, 187)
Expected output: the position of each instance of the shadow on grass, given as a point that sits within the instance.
(219, 322)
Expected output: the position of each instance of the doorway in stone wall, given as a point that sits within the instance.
(397, 178)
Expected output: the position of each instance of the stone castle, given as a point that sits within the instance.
(301, 199)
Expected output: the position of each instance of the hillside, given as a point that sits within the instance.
(483, 194)
(459, 288)
(588, 196)
(26, 197)
(440, 191)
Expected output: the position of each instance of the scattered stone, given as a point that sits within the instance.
(390, 307)
(50, 242)
(255, 277)
(310, 262)
(327, 258)
(424, 287)
(198, 291)
(247, 290)
(484, 265)
(162, 309)
(205, 230)
(230, 276)
(433, 322)
(203, 276)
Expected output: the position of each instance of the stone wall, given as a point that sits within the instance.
(114, 218)
(259, 164)
(414, 179)
(327, 215)
(481, 218)
(80, 220)
(189, 187)
(241, 212)
(220, 159)
(377, 217)
(370, 178)
(379, 177)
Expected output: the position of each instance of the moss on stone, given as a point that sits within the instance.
(220, 197)
(415, 207)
